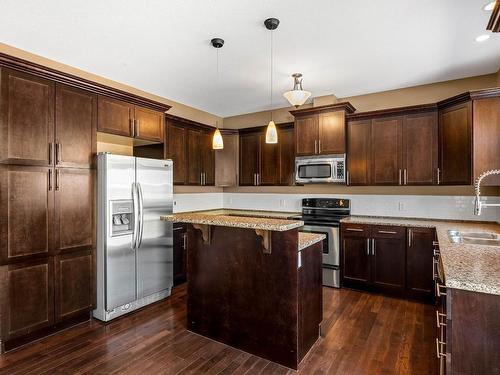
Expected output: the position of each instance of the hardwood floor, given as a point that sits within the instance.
(367, 334)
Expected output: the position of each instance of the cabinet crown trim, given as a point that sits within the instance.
(75, 81)
(345, 106)
(394, 111)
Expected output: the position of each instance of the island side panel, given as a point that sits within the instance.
(310, 298)
(242, 296)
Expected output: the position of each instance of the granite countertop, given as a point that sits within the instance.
(307, 239)
(236, 221)
(249, 213)
(466, 266)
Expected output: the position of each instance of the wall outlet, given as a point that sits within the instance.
(401, 206)
(282, 203)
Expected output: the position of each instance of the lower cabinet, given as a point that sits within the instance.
(180, 253)
(389, 259)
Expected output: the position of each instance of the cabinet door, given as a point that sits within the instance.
(269, 162)
(388, 258)
(194, 157)
(115, 117)
(331, 133)
(226, 161)
(359, 152)
(487, 138)
(286, 141)
(76, 119)
(249, 158)
(306, 135)
(26, 212)
(207, 158)
(386, 151)
(180, 253)
(356, 255)
(26, 118)
(149, 124)
(455, 137)
(176, 150)
(419, 258)
(420, 149)
(26, 297)
(74, 284)
(74, 209)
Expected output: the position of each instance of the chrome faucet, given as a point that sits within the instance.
(478, 204)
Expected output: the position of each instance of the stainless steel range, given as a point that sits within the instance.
(323, 215)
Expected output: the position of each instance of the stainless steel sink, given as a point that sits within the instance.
(474, 238)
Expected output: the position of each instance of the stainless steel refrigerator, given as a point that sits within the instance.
(134, 248)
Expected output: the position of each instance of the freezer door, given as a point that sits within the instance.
(119, 253)
(155, 238)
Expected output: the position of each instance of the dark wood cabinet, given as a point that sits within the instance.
(249, 158)
(123, 118)
(331, 133)
(269, 162)
(74, 284)
(306, 135)
(358, 152)
(27, 297)
(392, 260)
(420, 149)
(388, 250)
(207, 155)
(74, 209)
(149, 124)
(75, 127)
(180, 253)
(227, 159)
(419, 258)
(26, 118)
(286, 143)
(115, 116)
(386, 151)
(26, 212)
(455, 140)
(177, 151)
(194, 176)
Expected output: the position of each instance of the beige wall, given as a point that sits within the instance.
(177, 109)
(380, 100)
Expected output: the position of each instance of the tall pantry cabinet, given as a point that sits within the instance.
(47, 235)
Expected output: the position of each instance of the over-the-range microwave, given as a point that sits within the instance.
(320, 169)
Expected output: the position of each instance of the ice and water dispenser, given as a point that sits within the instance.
(122, 217)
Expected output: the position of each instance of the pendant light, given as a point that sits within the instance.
(217, 141)
(297, 96)
(271, 132)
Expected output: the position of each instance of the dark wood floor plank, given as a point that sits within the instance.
(366, 334)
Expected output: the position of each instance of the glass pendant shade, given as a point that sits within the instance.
(297, 96)
(271, 133)
(217, 142)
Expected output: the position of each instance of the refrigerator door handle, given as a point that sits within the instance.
(136, 216)
(141, 213)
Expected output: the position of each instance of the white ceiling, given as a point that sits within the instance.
(342, 47)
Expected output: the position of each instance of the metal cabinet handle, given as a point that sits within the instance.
(315, 146)
(319, 146)
(439, 345)
(57, 179)
(367, 246)
(184, 241)
(410, 237)
(50, 179)
(347, 178)
(438, 173)
(58, 153)
(131, 125)
(354, 230)
(137, 128)
(405, 177)
(387, 232)
(439, 323)
(373, 246)
(258, 179)
(399, 176)
(438, 289)
(50, 152)
(435, 265)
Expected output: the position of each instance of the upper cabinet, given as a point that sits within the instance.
(176, 150)
(397, 147)
(26, 118)
(321, 130)
(122, 118)
(267, 164)
(226, 160)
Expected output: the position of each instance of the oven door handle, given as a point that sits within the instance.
(320, 224)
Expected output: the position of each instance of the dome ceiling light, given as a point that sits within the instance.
(297, 96)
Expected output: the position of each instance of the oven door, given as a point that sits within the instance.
(331, 255)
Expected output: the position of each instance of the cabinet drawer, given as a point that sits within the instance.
(355, 230)
(385, 231)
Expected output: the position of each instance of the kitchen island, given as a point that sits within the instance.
(254, 283)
